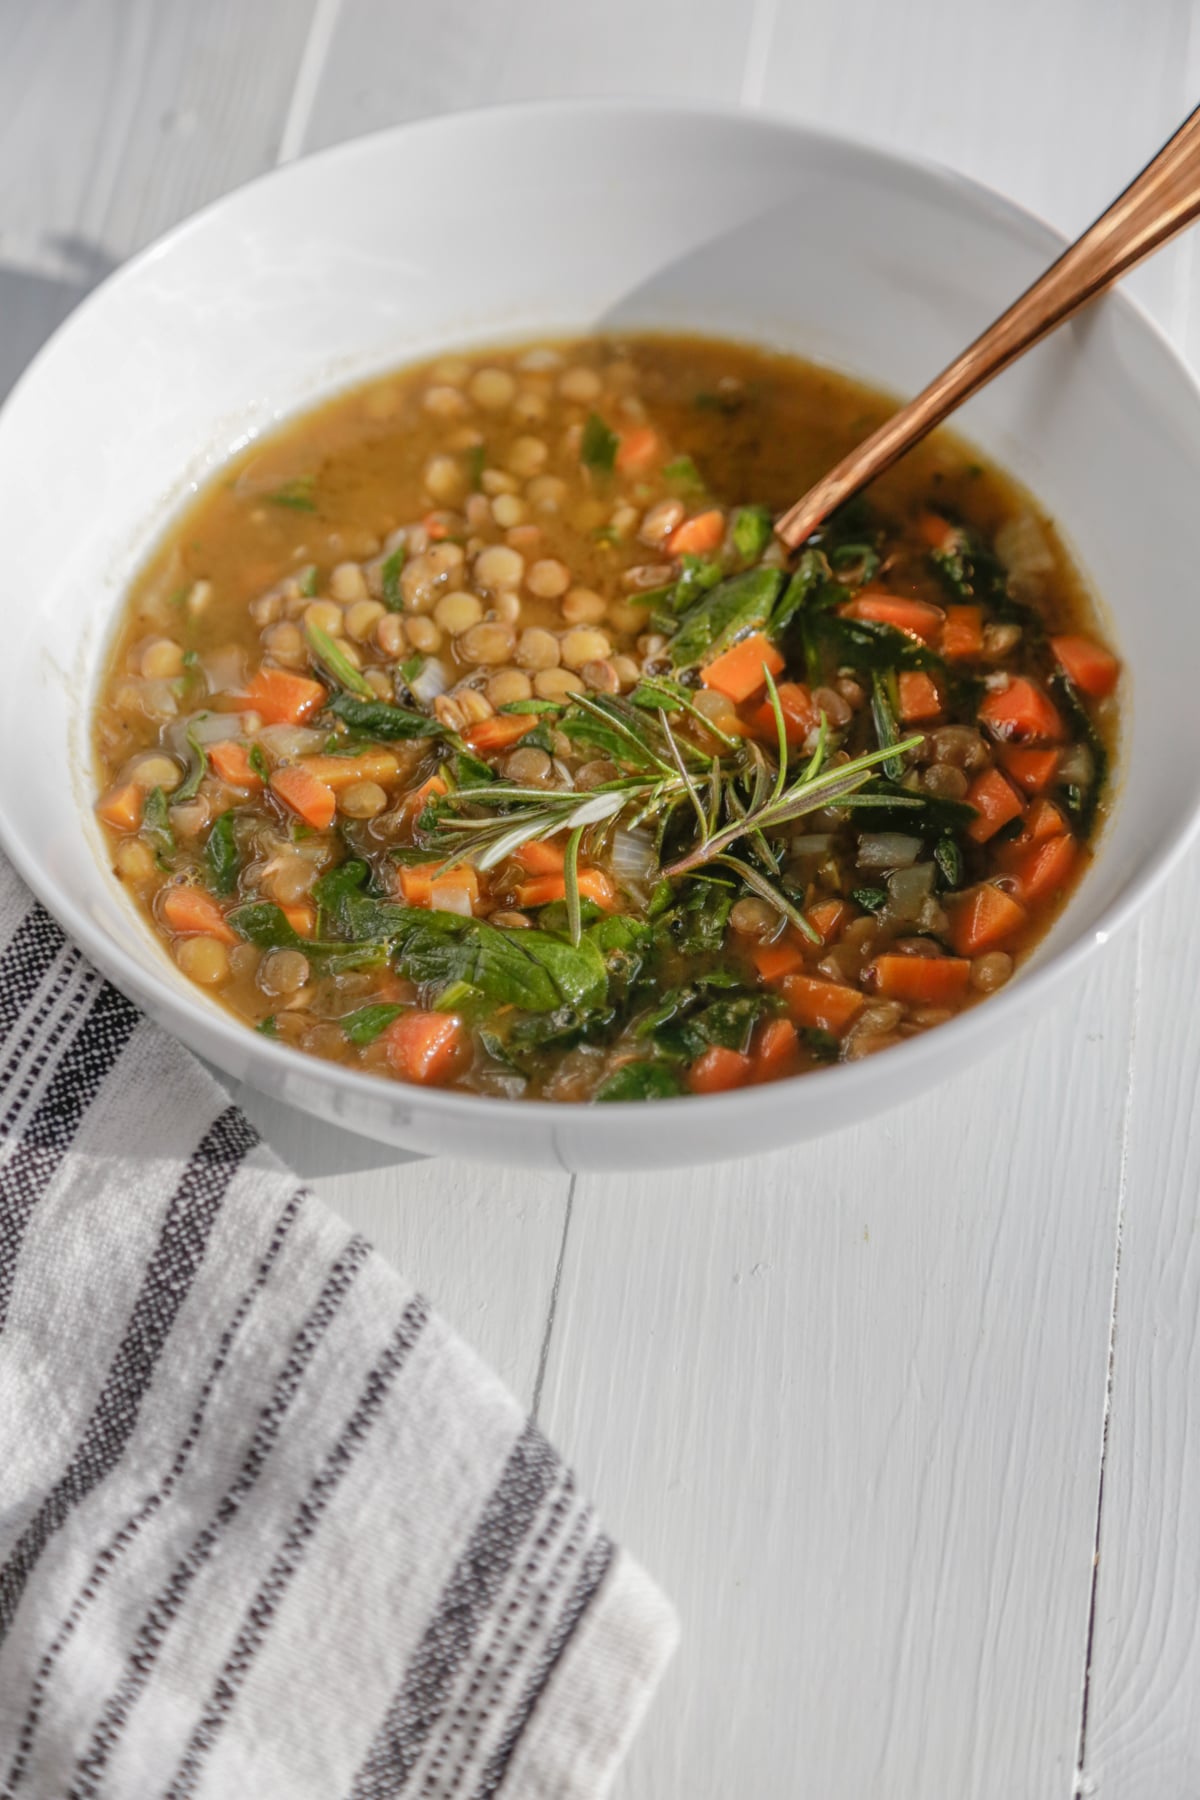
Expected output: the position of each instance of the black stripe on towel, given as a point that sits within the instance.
(166, 1609)
(168, 1278)
(446, 1642)
(46, 1136)
(596, 1565)
(25, 962)
(108, 1558)
(265, 1604)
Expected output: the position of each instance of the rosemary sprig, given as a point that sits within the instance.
(734, 798)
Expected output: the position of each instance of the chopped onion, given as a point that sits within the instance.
(434, 679)
(1077, 766)
(225, 670)
(291, 740)
(1022, 547)
(887, 850)
(213, 727)
(815, 843)
(159, 700)
(908, 890)
(632, 857)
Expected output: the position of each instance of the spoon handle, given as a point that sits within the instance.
(1159, 202)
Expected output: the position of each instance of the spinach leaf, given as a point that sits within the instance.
(855, 563)
(879, 805)
(379, 719)
(740, 604)
(948, 857)
(268, 1026)
(639, 1081)
(810, 575)
(262, 923)
(598, 449)
(1082, 803)
(333, 893)
(188, 789)
(695, 925)
(297, 494)
(532, 969)
(222, 860)
(562, 1028)
(682, 472)
(369, 1022)
(699, 574)
(578, 971)
(821, 1045)
(871, 899)
(390, 571)
(671, 1007)
(752, 528)
(729, 1023)
(885, 707)
(258, 762)
(867, 644)
(335, 662)
(156, 825)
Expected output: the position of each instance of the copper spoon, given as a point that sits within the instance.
(1157, 203)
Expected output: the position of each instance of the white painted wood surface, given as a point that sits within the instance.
(849, 1404)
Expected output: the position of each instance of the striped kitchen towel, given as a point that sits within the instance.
(267, 1527)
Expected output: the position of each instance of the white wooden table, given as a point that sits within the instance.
(908, 1434)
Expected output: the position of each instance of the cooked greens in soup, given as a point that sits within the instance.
(476, 729)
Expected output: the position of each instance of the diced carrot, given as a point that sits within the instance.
(302, 917)
(828, 917)
(927, 980)
(1046, 867)
(121, 807)
(995, 800)
(190, 912)
(283, 698)
(338, 772)
(1093, 669)
(962, 634)
(821, 1005)
(428, 790)
(717, 1070)
(1033, 770)
(1045, 820)
(456, 891)
(538, 857)
(697, 535)
(424, 1046)
(985, 917)
(775, 1046)
(232, 763)
(739, 671)
(499, 732)
(312, 800)
(799, 715)
(416, 883)
(917, 618)
(594, 884)
(937, 532)
(437, 526)
(1022, 714)
(639, 449)
(774, 961)
(919, 697)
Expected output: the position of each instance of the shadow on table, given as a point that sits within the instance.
(33, 304)
(311, 1146)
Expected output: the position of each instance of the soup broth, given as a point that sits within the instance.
(476, 729)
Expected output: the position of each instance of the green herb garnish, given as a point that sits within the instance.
(390, 571)
(598, 448)
(222, 861)
(297, 494)
(333, 661)
(368, 1023)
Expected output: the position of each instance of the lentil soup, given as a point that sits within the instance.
(476, 729)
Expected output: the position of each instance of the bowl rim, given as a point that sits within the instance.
(443, 1104)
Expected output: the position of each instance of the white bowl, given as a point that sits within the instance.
(563, 218)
